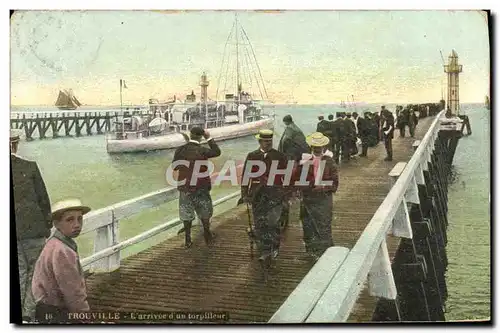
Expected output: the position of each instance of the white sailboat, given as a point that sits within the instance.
(236, 114)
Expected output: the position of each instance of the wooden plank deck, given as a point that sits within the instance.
(167, 277)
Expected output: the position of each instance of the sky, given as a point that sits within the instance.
(304, 56)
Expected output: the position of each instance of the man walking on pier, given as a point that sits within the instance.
(316, 209)
(265, 195)
(387, 129)
(194, 192)
(33, 221)
(58, 281)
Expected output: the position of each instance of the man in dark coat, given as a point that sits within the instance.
(293, 144)
(363, 127)
(323, 125)
(388, 132)
(332, 133)
(33, 220)
(194, 191)
(349, 133)
(412, 122)
(265, 195)
(403, 119)
(340, 134)
(293, 141)
(352, 132)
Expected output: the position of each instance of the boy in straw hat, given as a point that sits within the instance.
(266, 200)
(32, 217)
(321, 182)
(58, 282)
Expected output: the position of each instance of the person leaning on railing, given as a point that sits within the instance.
(58, 281)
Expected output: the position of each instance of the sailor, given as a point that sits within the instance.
(58, 281)
(194, 187)
(387, 129)
(265, 195)
(33, 221)
(317, 195)
(293, 144)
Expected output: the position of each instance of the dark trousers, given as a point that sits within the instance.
(364, 145)
(388, 146)
(402, 130)
(412, 130)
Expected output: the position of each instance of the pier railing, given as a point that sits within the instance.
(105, 222)
(331, 288)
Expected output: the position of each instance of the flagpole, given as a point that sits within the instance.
(121, 107)
(121, 100)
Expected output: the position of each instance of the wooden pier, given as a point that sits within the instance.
(67, 123)
(166, 277)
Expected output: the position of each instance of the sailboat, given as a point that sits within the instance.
(234, 113)
(487, 102)
(67, 100)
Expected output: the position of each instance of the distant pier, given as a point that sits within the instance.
(67, 123)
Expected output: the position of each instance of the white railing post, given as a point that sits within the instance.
(401, 226)
(105, 237)
(380, 278)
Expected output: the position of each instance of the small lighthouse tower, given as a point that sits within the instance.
(204, 86)
(453, 69)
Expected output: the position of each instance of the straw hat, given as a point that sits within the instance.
(65, 205)
(264, 134)
(317, 139)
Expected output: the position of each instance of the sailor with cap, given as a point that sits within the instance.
(33, 221)
(58, 281)
(317, 195)
(194, 191)
(265, 196)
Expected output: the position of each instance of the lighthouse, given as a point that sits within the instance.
(453, 69)
(204, 86)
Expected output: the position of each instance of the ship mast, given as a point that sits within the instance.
(237, 61)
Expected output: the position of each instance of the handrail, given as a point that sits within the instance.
(338, 299)
(145, 235)
(104, 222)
(329, 295)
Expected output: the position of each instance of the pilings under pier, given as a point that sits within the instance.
(420, 263)
(70, 124)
